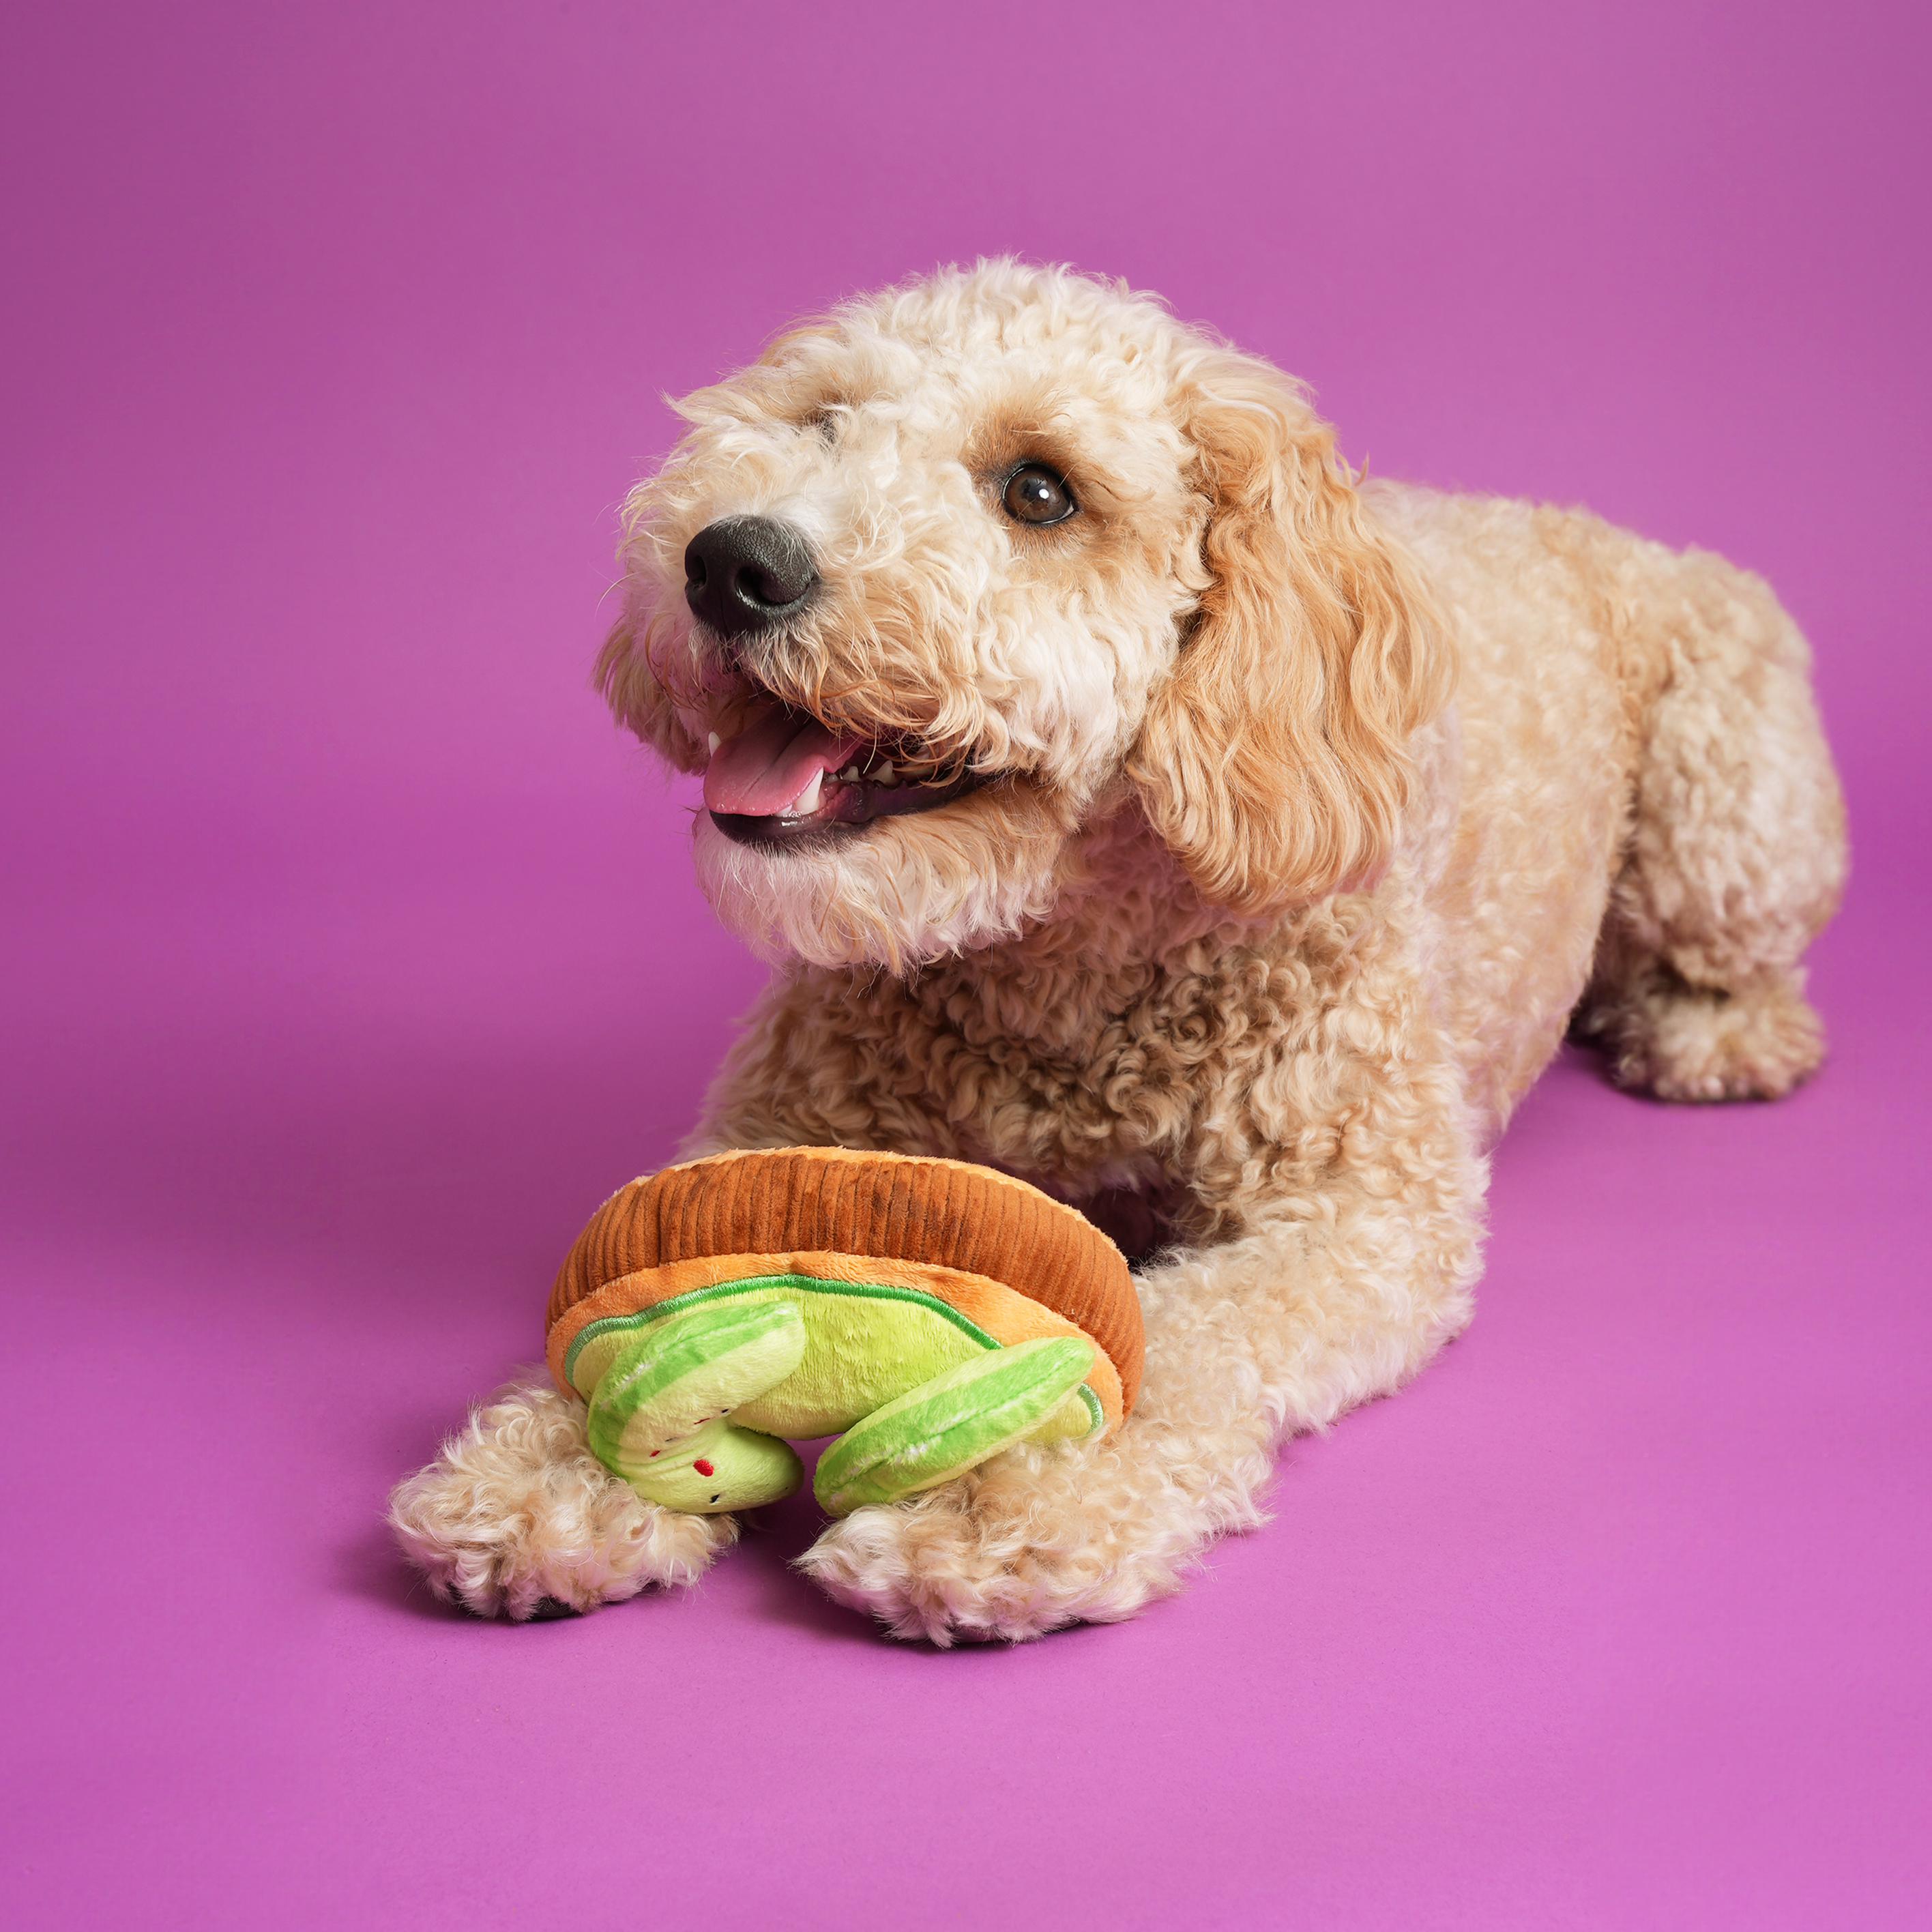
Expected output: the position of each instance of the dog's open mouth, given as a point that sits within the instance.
(783, 777)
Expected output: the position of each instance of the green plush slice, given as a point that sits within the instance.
(949, 1423)
(657, 1414)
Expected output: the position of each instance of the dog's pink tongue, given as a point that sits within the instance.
(771, 761)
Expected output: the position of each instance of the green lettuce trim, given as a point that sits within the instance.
(812, 1284)
(869, 1291)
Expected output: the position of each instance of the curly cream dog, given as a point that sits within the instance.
(1135, 800)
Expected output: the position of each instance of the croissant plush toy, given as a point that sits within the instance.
(928, 1313)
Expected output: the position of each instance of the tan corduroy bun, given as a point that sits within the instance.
(962, 1233)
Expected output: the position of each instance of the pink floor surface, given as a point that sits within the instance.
(350, 960)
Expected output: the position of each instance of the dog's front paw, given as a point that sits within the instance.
(515, 1517)
(1031, 1541)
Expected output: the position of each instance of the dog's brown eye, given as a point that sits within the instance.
(1034, 494)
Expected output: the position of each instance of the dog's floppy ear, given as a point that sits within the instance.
(1274, 759)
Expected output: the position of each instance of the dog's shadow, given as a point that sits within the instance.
(369, 1566)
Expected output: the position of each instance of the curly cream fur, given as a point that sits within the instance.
(516, 1511)
(1322, 808)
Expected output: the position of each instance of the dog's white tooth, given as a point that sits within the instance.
(716, 741)
(849, 775)
(807, 801)
(884, 774)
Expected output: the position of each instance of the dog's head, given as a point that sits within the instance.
(937, 583)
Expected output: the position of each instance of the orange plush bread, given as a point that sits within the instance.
(933, 1311)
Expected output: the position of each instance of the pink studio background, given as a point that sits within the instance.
(351, 958)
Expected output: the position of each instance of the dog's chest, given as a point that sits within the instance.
(1083, 1075)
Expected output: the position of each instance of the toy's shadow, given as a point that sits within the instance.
(775, 1538)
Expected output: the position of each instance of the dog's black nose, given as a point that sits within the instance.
(745, 574)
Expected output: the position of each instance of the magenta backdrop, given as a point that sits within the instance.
(351, 958)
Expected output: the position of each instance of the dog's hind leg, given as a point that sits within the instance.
(1735, 856)
(516, 1515)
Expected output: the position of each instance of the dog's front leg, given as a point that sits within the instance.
(516, 1515)
(1322, 1300)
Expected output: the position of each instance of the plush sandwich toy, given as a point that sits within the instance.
(927, 1312)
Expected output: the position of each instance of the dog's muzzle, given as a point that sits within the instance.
(784, 778)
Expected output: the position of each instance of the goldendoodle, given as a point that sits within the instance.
(1133, 798)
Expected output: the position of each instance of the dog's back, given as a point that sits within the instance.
(1631, 796)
